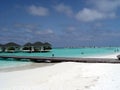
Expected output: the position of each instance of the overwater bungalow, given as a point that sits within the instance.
(38, 46)
(11, 47)
(47, 47)
(28, 47)
(1, 47)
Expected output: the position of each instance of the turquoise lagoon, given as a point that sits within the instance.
(61, 52)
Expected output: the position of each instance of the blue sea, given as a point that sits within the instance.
(59, 52)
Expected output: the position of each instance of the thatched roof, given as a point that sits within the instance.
(47, 44)
(28, 44)
(38, 44)
(11, 44)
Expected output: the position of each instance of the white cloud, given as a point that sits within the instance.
(87, 15)
(100, 10)
(39, 11)
(106, 5)
(45, 32)
(111, 34)
(30, 26)
(4, 29)
(64, 9)
(71, 28)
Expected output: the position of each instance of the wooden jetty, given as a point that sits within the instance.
(62, 59)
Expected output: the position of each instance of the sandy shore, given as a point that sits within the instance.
(25, 67)
(64, 76)
(114, 56)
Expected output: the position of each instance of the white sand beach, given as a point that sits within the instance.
(113, 56)
(64, 76)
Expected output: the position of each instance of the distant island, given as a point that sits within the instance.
(12, 47)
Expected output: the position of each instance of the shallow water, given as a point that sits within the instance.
(66, 52)
(12, 63)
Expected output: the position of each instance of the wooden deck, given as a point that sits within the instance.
(63, 59)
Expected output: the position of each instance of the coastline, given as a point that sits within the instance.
(112, 56)
(63, 76)
(26, 67)
(33, 65)
(39, 65)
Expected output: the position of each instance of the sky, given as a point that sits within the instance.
(63, 23)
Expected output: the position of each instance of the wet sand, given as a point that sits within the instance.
(25, 67)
